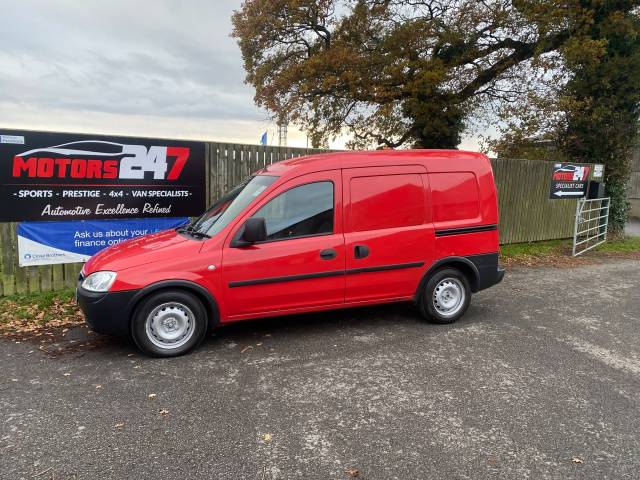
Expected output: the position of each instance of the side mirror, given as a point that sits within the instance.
(255, 230)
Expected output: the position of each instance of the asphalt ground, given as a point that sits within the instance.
(540, 379)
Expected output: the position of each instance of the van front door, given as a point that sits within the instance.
(389, 235)
(301, 264)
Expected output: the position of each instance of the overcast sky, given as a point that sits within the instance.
(163, 68)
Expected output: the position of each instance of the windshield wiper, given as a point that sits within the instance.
(198, 234)
(193, 232)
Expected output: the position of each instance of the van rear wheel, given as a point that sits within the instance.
(446, 296)
(169, 323)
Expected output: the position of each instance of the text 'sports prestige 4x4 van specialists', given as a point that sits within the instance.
(313, 233)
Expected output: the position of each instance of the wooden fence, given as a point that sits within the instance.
(526, 213)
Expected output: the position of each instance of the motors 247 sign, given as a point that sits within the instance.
(569, 180)
(55, 176)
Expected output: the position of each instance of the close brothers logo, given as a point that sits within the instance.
(39, 256)
(96, 159)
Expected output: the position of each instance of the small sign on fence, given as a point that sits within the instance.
(569, 180)
(598, 171)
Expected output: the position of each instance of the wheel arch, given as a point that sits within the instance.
(208, 301)
(463, 264)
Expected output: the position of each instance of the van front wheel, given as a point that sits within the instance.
(169, 323)
(446, 296)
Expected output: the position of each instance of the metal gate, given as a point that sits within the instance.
(590, 228)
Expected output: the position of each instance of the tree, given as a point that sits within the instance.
(393, 72)
(414, 72)
(603, 103)
(588, 108)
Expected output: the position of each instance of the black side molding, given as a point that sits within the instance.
(335, 273)
(459, 231)
(288, 278)
(382, 268)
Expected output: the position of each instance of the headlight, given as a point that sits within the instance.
(99, 281)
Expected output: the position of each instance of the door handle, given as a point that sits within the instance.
(361, 251)
(328, 254)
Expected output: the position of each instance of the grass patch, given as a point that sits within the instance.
(559, 251)
(517, 251)
(36, 314)
(625, 245)
(41, 307)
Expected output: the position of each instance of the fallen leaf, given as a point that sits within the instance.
(353, 472)
(267, 437)
(119, 425)
(152, 395)
(163, 411)
(66, 374)
(577, 460)
(98, 387)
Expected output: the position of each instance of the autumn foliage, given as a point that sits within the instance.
(392, 72)
(419, 73)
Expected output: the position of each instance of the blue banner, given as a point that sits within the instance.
(44, 243)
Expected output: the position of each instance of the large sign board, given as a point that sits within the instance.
(569, 180)
(60, 176)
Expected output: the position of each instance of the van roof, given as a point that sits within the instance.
(433, 161)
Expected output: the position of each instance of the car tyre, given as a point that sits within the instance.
(169, 323)
(445, 297)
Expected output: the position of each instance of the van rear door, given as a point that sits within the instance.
(389, 235)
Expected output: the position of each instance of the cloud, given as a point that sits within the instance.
(164, 58)
(160, 68)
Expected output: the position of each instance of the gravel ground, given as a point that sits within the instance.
(540, 379)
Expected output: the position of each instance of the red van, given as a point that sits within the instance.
(313, 233)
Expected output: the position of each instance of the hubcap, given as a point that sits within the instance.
(448, 297)
(170, 325)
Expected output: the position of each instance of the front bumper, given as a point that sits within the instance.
(107, 313)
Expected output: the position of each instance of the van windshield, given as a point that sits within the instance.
(230, 205)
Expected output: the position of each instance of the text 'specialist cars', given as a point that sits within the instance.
(313, 233)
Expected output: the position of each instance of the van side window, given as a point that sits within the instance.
(455, 196)
(386, 201)
(300, 212)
